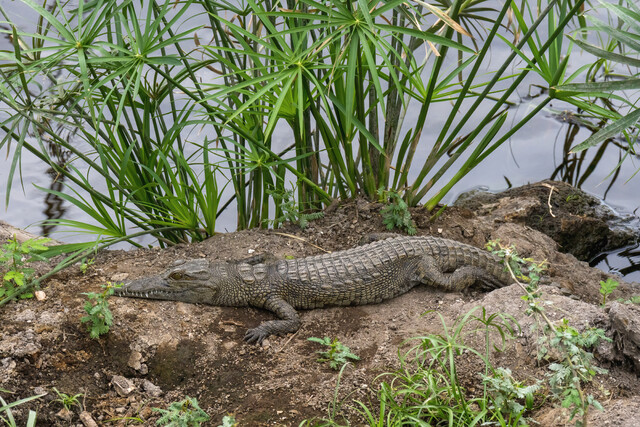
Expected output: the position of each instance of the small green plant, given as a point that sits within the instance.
(228, 421)
(290, 211)
(337, 355)
(85, 264)
(396, 213)
(13, 257)
(575, 364)
(607, 288)
(185, 413)
(68, 401)
(577, 367)
(527, 270)
(507, 394)
(635, 299)
(98, 314)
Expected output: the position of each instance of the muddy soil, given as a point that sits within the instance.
(158, 352)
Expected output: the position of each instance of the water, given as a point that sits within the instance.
(537, 152)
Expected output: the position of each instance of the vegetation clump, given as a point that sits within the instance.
(337, 354)
(185, 413)
(98, 315)
(396, 213)
(607, 287)
(13, 259)
(572, 364)
(289, 211)
(67, 400)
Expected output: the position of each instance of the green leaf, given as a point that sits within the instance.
(609, 131)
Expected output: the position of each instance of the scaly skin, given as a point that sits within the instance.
(367, 274)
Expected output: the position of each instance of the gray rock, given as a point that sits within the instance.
(152, 389)
(581, 224)
(65, 415)
(135, 360)
(27, 315)
(87, 419)
(122, 386)
(625, 320)
(21, 344)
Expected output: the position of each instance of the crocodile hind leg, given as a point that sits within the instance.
(290, 321)
(429, 273)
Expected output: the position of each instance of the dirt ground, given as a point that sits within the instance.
(158, 352)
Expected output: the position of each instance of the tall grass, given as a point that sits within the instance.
(147, 114)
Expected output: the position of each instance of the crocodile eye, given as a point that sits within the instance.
(176, 275)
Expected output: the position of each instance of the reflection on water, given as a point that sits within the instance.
(54, 205)
(625, 262)
(575, 169)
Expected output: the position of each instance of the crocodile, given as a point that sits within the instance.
(366, 274)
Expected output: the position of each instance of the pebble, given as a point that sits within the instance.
(25, 316)
(65, 415)
(152, 389)
(135, 360)
(122, 385)
(40, 390)
(87, 419)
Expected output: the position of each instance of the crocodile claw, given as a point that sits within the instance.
(255, 336)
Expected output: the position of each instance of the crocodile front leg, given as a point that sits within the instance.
(429, 273)
(290, 321)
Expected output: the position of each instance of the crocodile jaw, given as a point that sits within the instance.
(156, 287)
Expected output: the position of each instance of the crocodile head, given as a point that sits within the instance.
(196, 281)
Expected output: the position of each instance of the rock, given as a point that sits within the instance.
(122, 386)
(152, 389)
(21, 344)
(7, 232)
(27, 315)
(580, 223)
(65, 415)
(40, 295)
(53, 318)
(135, 360)
(40, 390)
(87, 419)
(625, 320)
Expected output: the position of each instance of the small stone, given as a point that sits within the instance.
(26, 316)
(152, 389)
(144, 369)
(135, 359)
(40, 390)
(251, 251)
(121, 410)
(40, 295)
(65, 415)
(87, 419)
(8, 364)
(122, 385)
